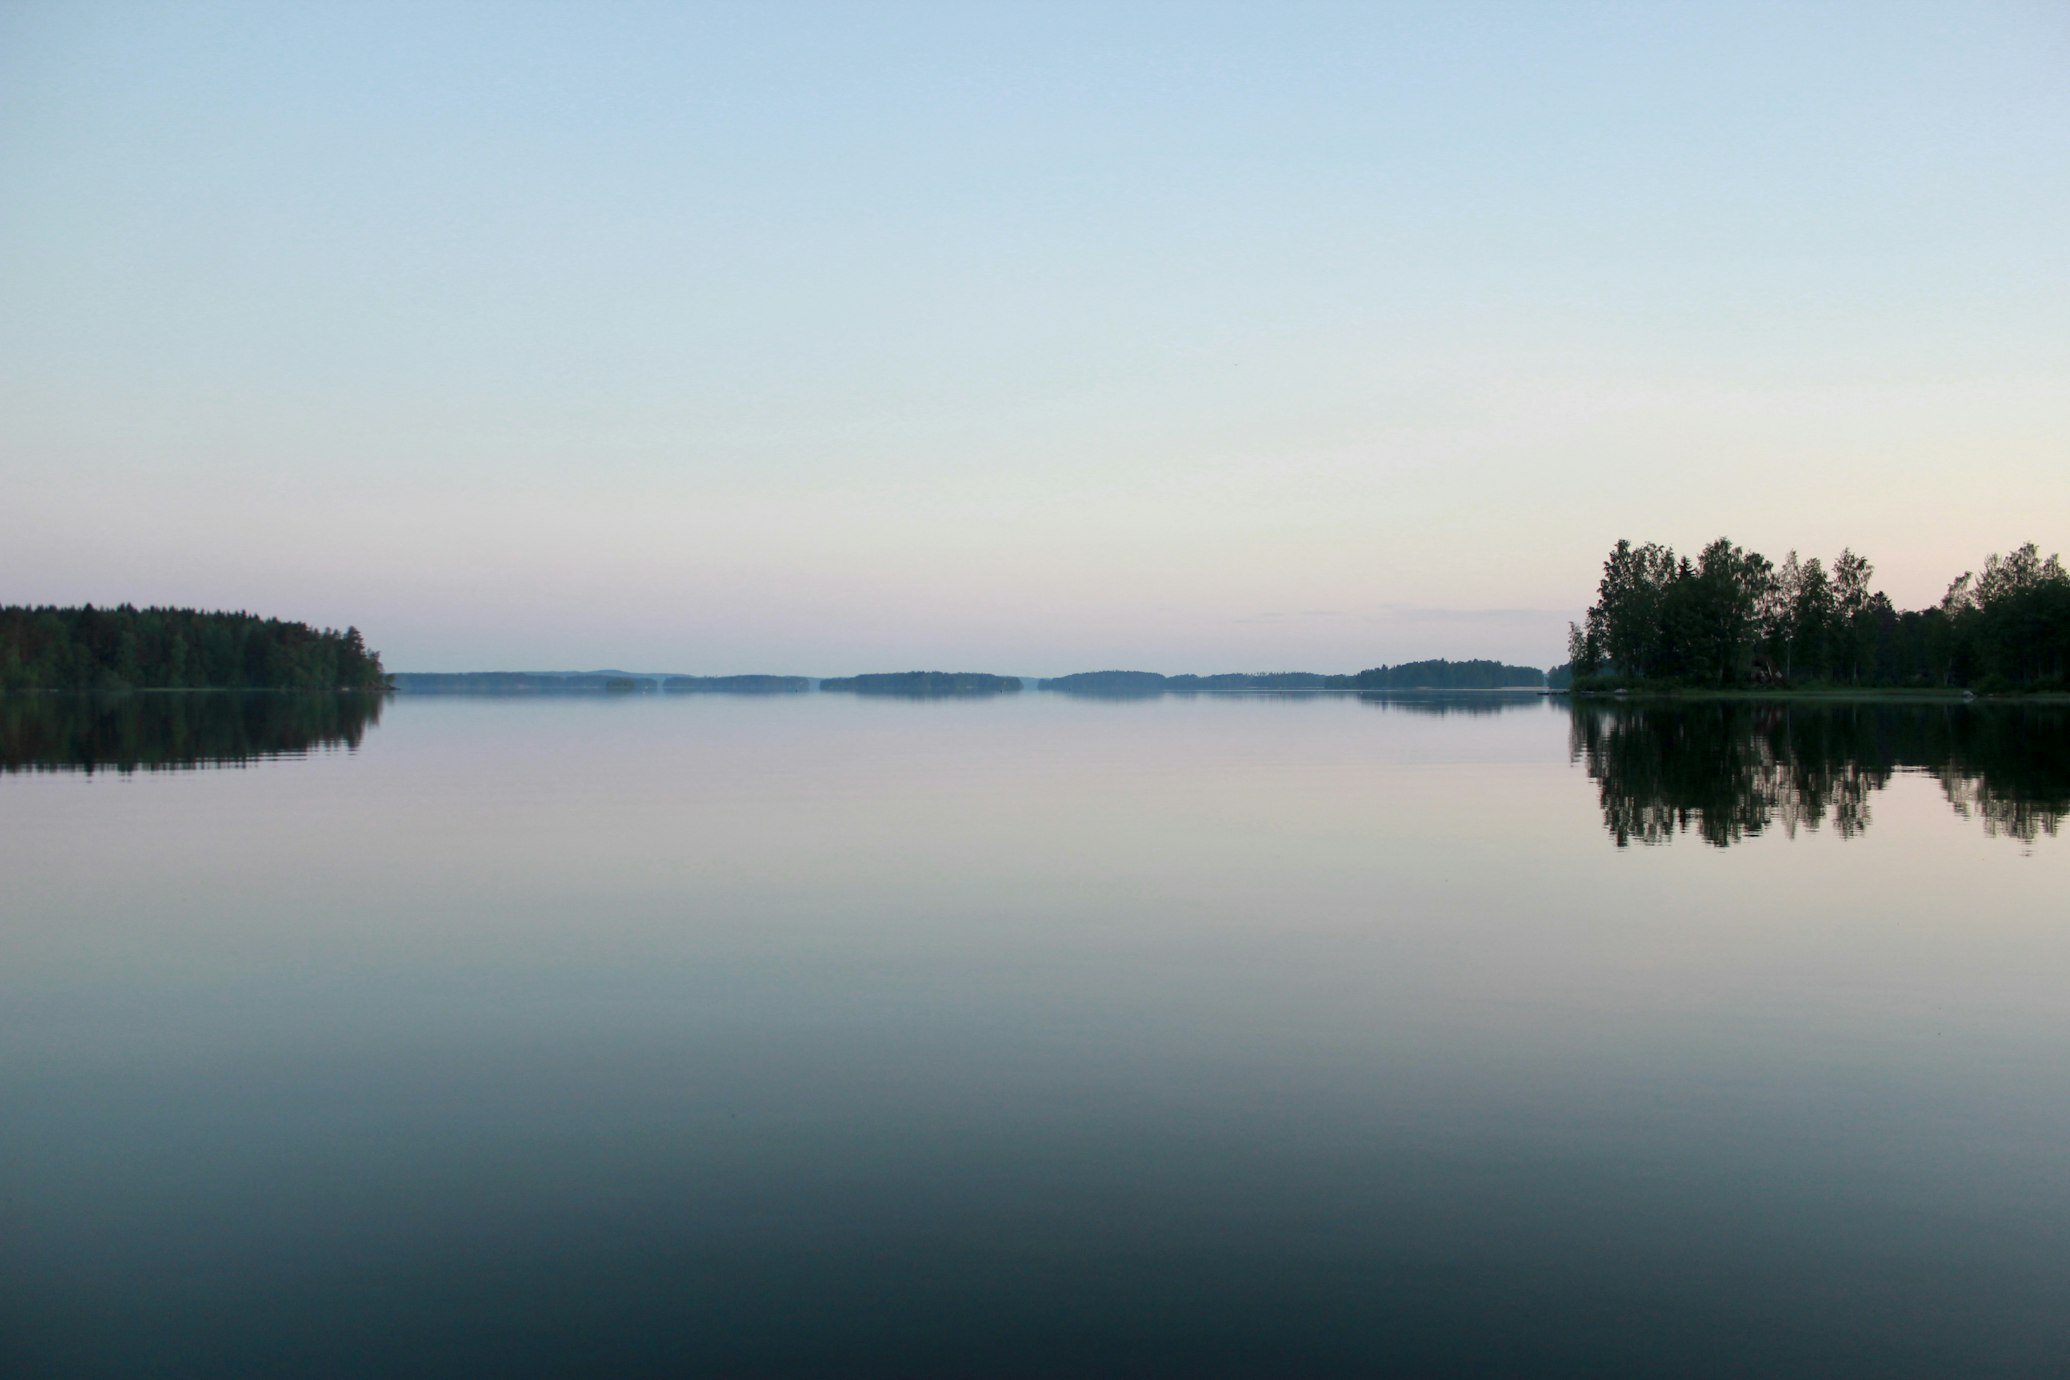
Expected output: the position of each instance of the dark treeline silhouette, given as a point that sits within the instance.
(1247, 680)
(1114, 684)
(1120, 683)
(500, 682)
(925, 683)
(128, 733)
(1727, 771)
(736, 685)
(519, 682)
(588, 683)
(1413, 675)
(1443, 675)
(126, 648)
(1410, 676)
(1732, 617)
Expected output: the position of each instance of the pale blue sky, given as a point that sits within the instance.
(1028, 338)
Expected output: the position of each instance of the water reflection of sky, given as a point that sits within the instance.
(811, 1035)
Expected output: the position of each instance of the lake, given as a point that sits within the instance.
(1032, 1035)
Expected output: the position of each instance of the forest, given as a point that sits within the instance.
(1733, 618)
(126, 648)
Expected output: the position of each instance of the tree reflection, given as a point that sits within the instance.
(175, 730)
(1729, 771)
(1437, 703)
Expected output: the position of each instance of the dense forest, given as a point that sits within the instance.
(1732, 617)
(126, 648)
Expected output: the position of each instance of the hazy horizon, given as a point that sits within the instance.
(1002, 663)
(631, 669)
(823, 339)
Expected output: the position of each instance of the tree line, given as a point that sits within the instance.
(924, 683)
(1438, 674)
(1732, 617)
(127, 648)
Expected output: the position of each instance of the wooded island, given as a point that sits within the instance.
(1438, 674)
(126, 648)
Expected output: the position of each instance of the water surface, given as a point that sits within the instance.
(1211, 1035)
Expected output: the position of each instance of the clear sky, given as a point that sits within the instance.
(1027, 338)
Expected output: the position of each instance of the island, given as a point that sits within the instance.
(925, 683)
(736, 685)
(512, 682)
(127, 648)
(1438, 674)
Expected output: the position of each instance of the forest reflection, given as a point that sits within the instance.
(1477, 703)
(1729, 771)
(175, 730)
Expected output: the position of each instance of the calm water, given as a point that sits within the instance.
(1032, 1036)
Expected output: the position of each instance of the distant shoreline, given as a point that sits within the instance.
(1430, 676)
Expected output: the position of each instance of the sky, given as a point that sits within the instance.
(1029, 338)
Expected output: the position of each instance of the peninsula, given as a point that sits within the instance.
(127, 648)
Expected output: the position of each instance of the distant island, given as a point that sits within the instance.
(508, 682)
(126, 648)
(587, 683)
(925, 683)
(1732, 618)
(1439, 674)
(736, 685)
(1409, 676)
(1152, 683)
